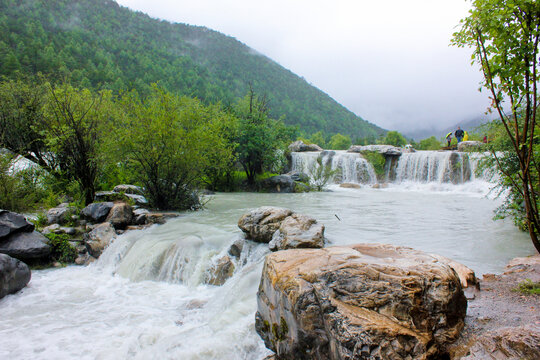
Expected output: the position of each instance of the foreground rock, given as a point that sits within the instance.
(282, 228)
(300, 146)
(29, 247)
(14, 275)
(120, 215)
(367, 301)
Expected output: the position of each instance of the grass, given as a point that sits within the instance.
(528, 287)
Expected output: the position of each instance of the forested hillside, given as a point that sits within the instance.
(99, 44)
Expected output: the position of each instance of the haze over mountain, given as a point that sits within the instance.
(100, 44)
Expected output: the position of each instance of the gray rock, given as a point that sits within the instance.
(236, 248)
(222, 270)
(97, 212)
(14, 275)
(110, 196)
(11, 223)
(387, 150)
(260, 224)
(469, 146)
(129, 189)
(137, 199)
(299, 176)
(139, 216)
(298, 231)
(60, 214)
(54, 229)
(507, 343)
(99, 238)
(300, 146)
(27, 246)
(278, 184)
(120, 215)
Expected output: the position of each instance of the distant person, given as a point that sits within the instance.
(459, 134)
(484, 140)
(449, 138)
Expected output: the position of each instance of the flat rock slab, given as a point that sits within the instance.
(14, 275)
(366, 301)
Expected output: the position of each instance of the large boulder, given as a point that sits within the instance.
(260, 224)
(298, 231)
(366, 301)
(11, 223)
(278, 184)
(120, 216)
(97, 212)
(300, 146)
(99, 238)
(26, 246)
(14, 275)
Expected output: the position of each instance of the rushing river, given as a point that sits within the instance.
(144, 298)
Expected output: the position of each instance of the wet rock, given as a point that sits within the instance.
(26, 246)
(236, 248)
(159, 218)
(14, 275)
(380, 186)
(11, 223)
(467, 277)
(99, 238)
(84, 259)
(60, 214)
(221, 271)
(350, 186)
(387, 150)
(97, 212)
(300, 146)
(139, 216)
(260, 224)
(507, 343)
(366, 301)
(54, 229)
(120, 215)
(129, 189)
(299, 176)
(137, 199)
(298, 231)
(278, 184)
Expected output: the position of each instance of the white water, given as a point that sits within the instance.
(144, 298)
(353, 168)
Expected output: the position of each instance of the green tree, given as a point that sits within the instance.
(258, 138)
(504, 35)
(430, 143)
(394, 138)
(73, 126)
(339, 142)
(171, 143)
(318, 138)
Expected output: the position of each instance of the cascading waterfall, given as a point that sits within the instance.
(351, 167)
(434, 166)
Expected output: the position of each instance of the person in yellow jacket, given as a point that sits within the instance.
(466, 136)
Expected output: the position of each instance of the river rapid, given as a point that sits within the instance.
(145, 299)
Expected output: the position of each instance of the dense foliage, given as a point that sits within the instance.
(504, 35)
(100, 45)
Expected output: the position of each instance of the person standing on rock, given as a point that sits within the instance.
(449, 138)
(459, 134)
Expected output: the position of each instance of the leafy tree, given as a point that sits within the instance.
(394, 138)
(339, 142)
(430, 143)
(171, 142)
(73, 125)
(318, 138)
(259, 137)
(504, 35)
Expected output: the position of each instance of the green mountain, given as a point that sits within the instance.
(99, 44)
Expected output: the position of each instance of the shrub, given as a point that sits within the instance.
(61, 249)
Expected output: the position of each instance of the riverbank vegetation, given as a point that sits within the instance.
(504, 36)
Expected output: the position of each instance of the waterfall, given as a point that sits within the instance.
(434, 166)
(350, 167)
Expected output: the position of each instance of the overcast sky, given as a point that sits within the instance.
(387, 61)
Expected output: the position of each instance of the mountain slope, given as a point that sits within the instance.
(97, 43)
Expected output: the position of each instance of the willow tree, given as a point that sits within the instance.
(504, 36)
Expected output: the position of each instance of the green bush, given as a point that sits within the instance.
(378, 161)
(61, 249)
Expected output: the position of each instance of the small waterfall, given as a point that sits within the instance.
(434, 166)
(351, 167)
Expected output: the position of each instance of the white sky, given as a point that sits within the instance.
(388, 61)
